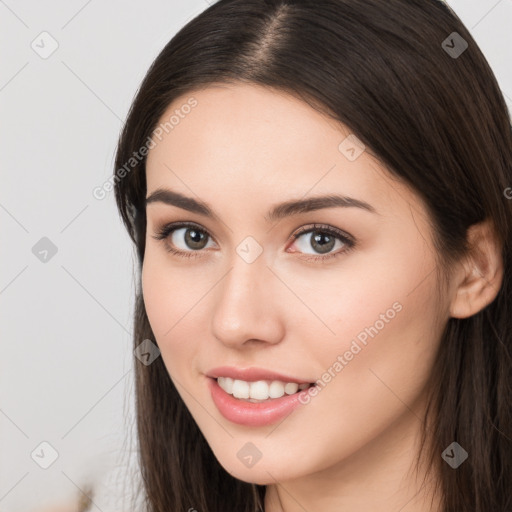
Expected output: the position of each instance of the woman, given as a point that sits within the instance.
(317, 193)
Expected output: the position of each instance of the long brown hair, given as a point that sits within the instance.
(431, 110)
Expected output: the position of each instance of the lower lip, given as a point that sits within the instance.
(253, 414)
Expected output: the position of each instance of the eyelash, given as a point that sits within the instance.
(163, 233)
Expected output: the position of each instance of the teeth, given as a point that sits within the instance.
(241, 389)
(276, 389)
(260, 390)
(257, 390)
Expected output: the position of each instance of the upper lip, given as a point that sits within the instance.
(252, 374)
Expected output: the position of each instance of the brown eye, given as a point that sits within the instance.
(322, 240)
(183, 239)
(194, 239)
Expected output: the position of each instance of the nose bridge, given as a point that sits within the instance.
(245, 306)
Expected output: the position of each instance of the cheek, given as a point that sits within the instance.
(166, 293)
(172, 302)
(380, 286)
(359, 299)
(377, 319)
(164, 297)
(158, 301)
(375, 367)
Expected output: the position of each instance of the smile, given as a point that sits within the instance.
(255, 412)
(259, 391)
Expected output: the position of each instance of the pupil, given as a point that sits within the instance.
(194, 238)
(324, 246)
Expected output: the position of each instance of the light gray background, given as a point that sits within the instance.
(66, 362)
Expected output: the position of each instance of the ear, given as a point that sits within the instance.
(480, 276)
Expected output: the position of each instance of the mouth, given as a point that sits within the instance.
(256, 403)
(259, 391)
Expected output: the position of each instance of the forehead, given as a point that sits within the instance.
(242, 142)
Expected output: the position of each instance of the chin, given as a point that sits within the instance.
(263, 472)
(255, 476)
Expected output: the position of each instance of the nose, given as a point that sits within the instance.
(247, 308)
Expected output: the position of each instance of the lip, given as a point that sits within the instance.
(252, 414)
(252, 374)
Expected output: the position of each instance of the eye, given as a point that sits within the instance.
(323, 239)
(187, 237)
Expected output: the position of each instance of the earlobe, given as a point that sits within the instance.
(481, 273)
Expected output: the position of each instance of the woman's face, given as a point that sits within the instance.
(353, 309)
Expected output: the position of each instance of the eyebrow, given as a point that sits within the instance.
(279, 211)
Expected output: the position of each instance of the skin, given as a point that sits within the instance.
(243, 149)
